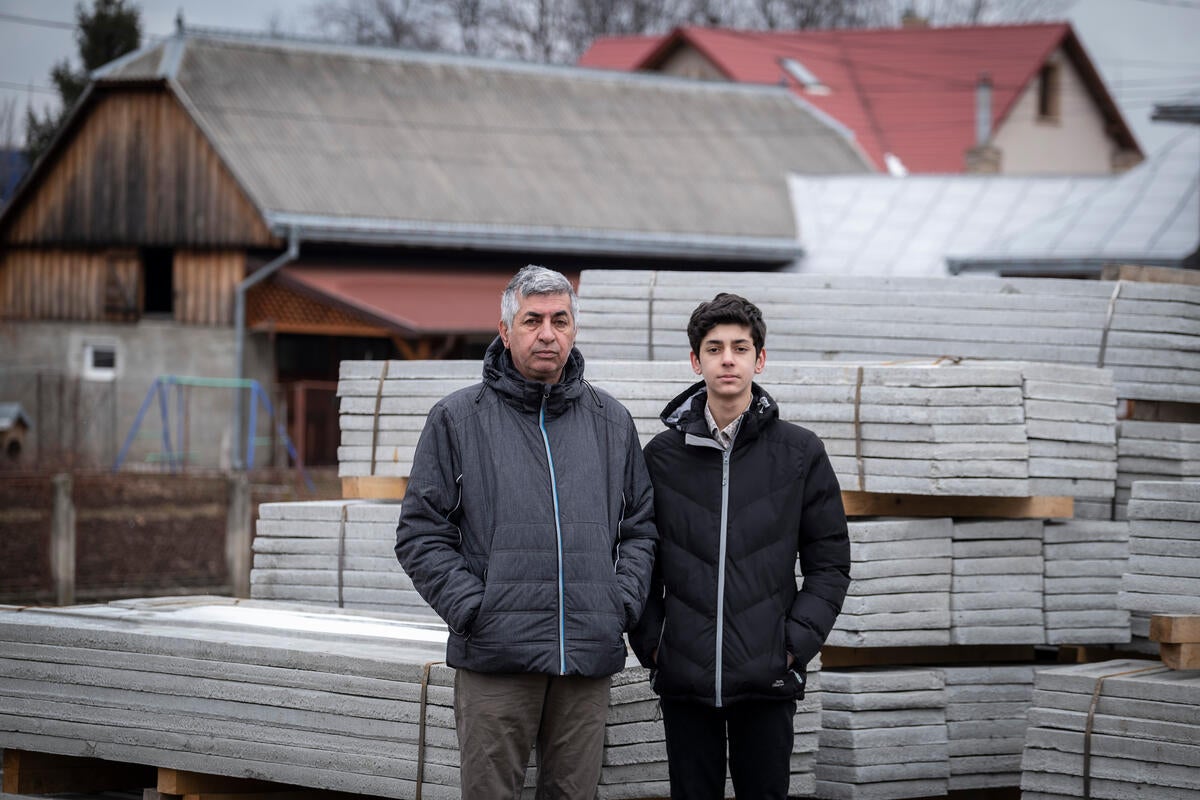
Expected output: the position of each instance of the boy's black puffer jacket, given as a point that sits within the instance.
(724, 609)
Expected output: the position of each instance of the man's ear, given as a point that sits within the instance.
(503, 333)
(695, 362)
(760, 361)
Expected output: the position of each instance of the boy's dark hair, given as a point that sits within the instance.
(726, 309)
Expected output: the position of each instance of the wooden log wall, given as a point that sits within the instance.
(57, 284)
(105, 285)
(205, 283)
(135, 170)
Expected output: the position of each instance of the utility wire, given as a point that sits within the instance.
(41, 23)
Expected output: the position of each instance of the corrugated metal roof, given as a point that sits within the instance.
(386, 143)
(909, 92)
(880, 225)
(1149, 215)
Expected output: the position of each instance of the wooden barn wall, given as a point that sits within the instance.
(55, 284)
(205, 284)
(105, 285)
(136, 171)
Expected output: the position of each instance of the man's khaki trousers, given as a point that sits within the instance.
(501, 717)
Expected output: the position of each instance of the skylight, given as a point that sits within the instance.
(802, 75)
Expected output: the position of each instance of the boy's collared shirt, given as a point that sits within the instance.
(724, 436)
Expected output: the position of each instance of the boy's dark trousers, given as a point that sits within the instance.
(759, 735)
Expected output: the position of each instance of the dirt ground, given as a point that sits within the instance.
(137, 534)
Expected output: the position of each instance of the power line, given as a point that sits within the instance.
(32, 87)
(41, 23)
(1192, 4)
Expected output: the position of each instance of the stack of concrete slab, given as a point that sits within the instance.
(332, 552)
(1071, 421)
(1154, 451)
(1116, 729)
(952, 430)
(997, 582)
(383, 405)
(1146, 333)
(985, 721)
(324, 699)
(883, 734)
(900, 595)
(1084, 562)
(1163, 576)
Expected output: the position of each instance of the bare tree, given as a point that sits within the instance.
(398, 23)
(560, 30)
(978, 12)
(470, 16)
(818, 14)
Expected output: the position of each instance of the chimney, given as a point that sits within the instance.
(983, 110)
(984, 157)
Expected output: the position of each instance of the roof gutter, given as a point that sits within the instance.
(1013, 267)
(239, 321)
(514, 238)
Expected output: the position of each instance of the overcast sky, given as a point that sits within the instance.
(1146, 50)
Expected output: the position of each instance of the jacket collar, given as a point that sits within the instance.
(501, 375)
(685, 413)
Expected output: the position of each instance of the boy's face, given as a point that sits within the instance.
(727, 362)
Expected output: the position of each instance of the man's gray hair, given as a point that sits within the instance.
(535, 280)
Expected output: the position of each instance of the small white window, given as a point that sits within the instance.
(99, 361)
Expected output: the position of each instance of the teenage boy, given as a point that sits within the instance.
(738, 495)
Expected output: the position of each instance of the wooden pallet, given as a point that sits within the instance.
(30, 773)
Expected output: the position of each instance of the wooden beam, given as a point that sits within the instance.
(1185, 655)
(837, 657)
(374, 488)
(177, 784)
(27, 772)
(875, 504)
(182, 781)
(1175, 628)
(1149, 274)
(858, 504)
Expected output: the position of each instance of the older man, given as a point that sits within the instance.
(528, 526)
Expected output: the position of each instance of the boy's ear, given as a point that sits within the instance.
(695, 362)
(760, 361)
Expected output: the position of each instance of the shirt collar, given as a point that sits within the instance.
(723, 436)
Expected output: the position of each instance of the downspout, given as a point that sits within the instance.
(239, 322)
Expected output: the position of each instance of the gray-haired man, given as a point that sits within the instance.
(528, 526)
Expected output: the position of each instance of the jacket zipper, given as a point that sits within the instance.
(721, 572)
(562, 631)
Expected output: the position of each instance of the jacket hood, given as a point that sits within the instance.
(501, 375)
(685, 413)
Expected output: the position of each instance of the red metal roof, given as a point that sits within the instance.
(905, 91)
(411, 302)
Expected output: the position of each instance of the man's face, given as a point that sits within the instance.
(728, 363)
(542, 336)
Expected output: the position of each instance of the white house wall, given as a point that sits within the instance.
(1074, 143)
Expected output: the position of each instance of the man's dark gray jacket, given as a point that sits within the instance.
(724, 611)
(528, 523)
